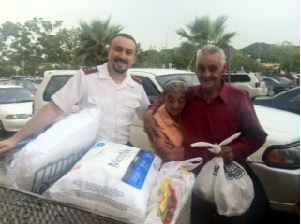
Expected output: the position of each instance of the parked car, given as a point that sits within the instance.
(250, 82)
(154, 79)
(25, 83)
(276, 163)
(20, 77)
(275, 85)
(288, 100)
(53, 81)
(15, 108)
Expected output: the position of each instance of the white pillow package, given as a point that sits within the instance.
(70, 135)
(112, 180)
(171, 191)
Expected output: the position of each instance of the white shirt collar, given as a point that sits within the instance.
(103, 73)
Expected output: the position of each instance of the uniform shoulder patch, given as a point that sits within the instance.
(89, 70)
(136, 79)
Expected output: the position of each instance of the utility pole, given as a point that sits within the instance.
(229, 64)
(166, 44)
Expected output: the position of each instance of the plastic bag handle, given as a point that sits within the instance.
(186, 165)
(190, 164)
(214, 147)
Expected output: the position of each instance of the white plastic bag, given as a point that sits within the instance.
(112, 180)
(229, 187)
(172, 191)
(234, 191)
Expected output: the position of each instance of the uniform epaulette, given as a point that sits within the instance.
(89, 70)
(136, 79)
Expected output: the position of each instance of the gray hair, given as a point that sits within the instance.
(211, 49)
(174, 85)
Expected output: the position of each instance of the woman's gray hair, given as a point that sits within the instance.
(174, 85)
(211, 49)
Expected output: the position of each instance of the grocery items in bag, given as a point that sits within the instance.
(172, 191)
(112, 180)
(67, 136)
(228, 186)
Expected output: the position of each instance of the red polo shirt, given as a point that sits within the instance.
(229, 113)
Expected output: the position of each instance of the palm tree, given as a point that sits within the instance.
(204, 31)
(95, 39)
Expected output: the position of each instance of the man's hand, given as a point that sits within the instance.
(8, 144)
(227, 154)
(163, 144)
(150, 126)
(167, 151)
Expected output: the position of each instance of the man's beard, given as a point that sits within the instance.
(118, 69)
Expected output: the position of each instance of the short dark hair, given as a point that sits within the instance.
(127, 36)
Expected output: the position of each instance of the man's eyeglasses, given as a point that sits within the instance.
(211, 68)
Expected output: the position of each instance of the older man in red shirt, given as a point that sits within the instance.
(214, 111)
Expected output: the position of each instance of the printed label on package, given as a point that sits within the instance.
(138, 169)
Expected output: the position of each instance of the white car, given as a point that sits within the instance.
(15, 108)
(276, 163)
(53, 81)
(250, 82)
(153, 79)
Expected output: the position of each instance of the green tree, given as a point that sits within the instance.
(24, 47)
(287, 55)
(204, 31)
(94, 41)
(241, 61)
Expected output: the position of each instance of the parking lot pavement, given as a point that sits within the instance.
(283, 218)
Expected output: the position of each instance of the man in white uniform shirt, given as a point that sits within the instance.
(107, 86)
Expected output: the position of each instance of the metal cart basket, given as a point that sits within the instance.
(23, 207)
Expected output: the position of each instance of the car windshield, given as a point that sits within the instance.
(271, 80)
(283, 80)
(15, 95)
(55, 84)
(191, 79)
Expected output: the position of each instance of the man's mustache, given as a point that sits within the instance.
(120, 60)
(208, 79)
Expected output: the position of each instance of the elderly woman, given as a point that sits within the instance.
(168, 118)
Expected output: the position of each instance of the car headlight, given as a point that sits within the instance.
(283, 156)
(18, 116)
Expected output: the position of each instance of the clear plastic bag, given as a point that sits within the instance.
(172, 191)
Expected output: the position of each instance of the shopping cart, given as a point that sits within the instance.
(24, 207)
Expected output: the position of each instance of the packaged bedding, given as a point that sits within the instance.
(69, 135)
(112, 180)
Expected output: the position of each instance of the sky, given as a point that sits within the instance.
(154, 23)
